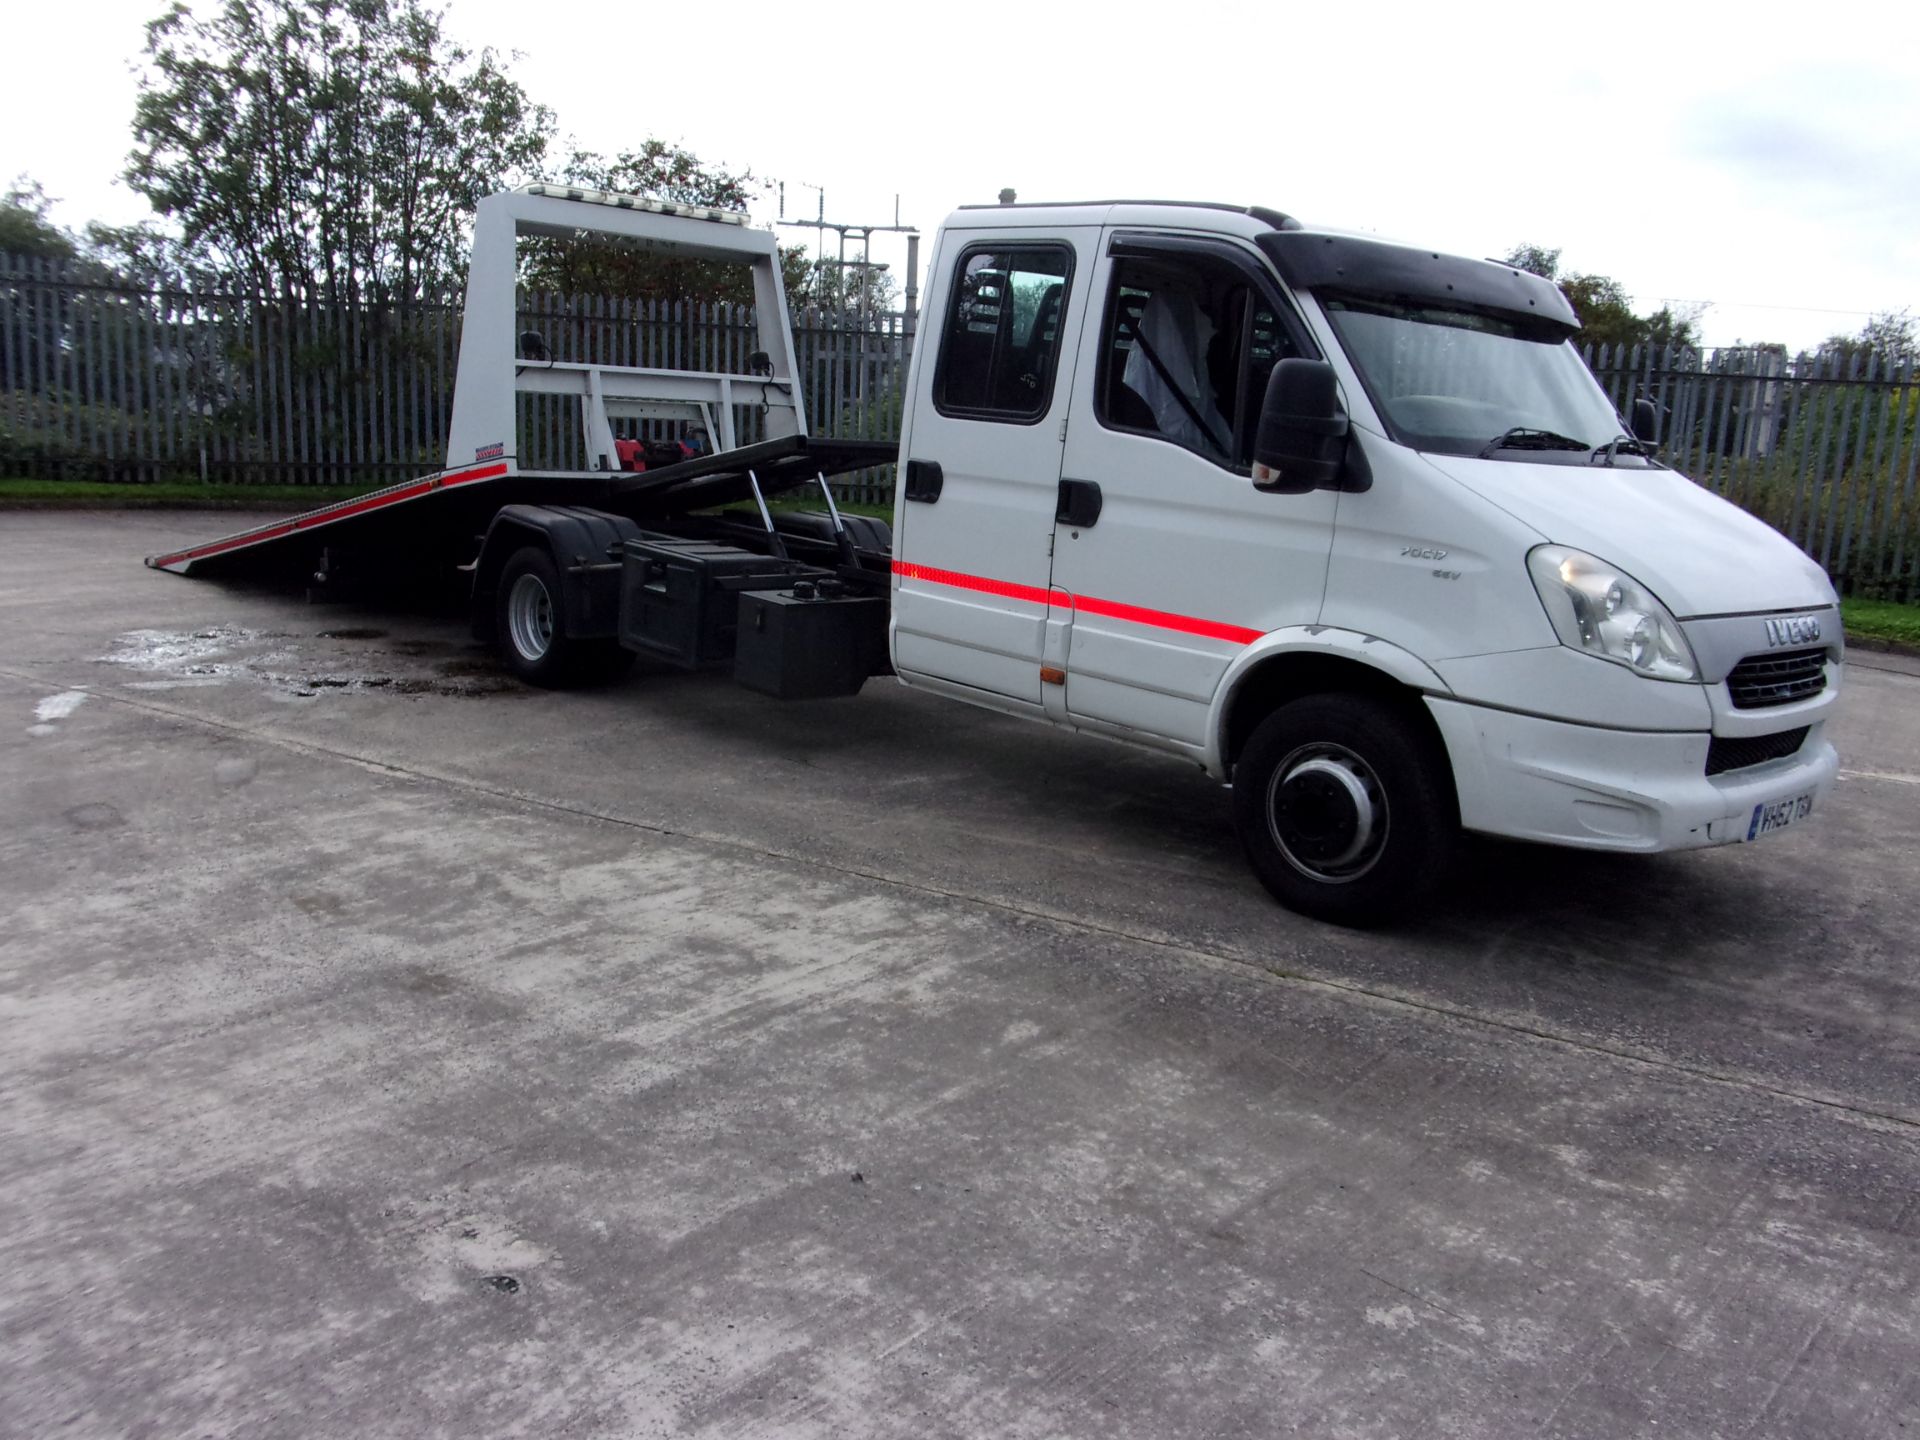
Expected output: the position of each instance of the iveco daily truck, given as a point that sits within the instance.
(1343, 522)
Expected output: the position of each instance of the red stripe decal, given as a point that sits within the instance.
(1185, 624)
(346, 510)
(1033, 595)
(360, 507)
(271, 532)
(483, 472)
(1086, 604)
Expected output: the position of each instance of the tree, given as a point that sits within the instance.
(1535, 260)
(324, 146)
(661, 171)
(134, 254)
(141, 254)
(1603, 305)
(1864, 424)
(26, 224)
(605, 266)
(75, 307)
(1892, 334)
(828, 285)
(1889, 334)
(38, 319)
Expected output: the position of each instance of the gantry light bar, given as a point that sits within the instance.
(635, 202)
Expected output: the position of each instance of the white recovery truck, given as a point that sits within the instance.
(1347, 524)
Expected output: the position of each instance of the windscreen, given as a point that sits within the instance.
(1460, 382)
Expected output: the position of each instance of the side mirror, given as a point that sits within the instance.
(1646, 420)
(1301, 442)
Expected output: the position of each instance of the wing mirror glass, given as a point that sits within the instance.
(1301, 443)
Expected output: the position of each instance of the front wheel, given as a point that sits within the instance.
(532, 633)
(1345, 807)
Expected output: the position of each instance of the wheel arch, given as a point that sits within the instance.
(573, 538)
(1311, 660)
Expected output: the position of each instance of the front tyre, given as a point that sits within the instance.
(1345, 807)
(530, 624)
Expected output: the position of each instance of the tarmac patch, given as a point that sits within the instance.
(235, 771)
(96, 815)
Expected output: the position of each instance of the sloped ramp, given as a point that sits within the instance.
(442, 513)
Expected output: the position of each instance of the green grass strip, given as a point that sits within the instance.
(1881, 620)
(106, 495)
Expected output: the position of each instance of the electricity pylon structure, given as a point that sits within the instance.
(862, 234)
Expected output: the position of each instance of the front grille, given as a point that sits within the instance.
(1762, 680)
(1727, 753)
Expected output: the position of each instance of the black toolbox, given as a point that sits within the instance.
(810, 641)
(680, 599)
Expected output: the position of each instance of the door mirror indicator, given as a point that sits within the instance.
(1302, 440)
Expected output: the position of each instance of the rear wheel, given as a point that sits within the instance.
(1345, 808)
(531, 626)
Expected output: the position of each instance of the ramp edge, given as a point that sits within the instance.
(181, 562)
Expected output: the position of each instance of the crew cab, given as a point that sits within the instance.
(1349, 525)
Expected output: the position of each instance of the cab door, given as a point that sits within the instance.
(975, 521)
(1173, 560)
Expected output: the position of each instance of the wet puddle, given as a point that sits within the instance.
(286, 663)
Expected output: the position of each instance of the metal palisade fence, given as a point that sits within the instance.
(185, 379)
(190, 378)
(853, 370)
(194, 379)
(1823, 447)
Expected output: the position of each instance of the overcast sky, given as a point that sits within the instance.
(1763, 160)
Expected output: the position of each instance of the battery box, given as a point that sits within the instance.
(680, 599)
(807, 642)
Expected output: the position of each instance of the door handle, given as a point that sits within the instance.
(924, 479)
(1079, 504)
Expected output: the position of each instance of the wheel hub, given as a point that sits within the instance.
(1327, 812)
(530, 617)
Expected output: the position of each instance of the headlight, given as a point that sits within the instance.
(1606, 612)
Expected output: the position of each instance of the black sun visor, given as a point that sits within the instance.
(1352, 265)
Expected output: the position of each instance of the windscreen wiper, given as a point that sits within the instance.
(1522, 437)
(1631, 445)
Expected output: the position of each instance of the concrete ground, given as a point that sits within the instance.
(386, 1049)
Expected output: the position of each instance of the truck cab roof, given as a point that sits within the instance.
(1313, 258)
(1215, 217)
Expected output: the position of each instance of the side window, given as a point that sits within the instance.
(1001, 344)
(1186, 349)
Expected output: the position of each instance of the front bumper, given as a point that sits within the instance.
(1536, 779)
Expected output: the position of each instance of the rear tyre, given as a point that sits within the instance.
(1346, 810)
(530, 623)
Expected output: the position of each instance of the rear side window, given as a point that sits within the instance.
(1001, 343)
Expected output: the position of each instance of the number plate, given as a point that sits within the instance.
(1772, 815)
